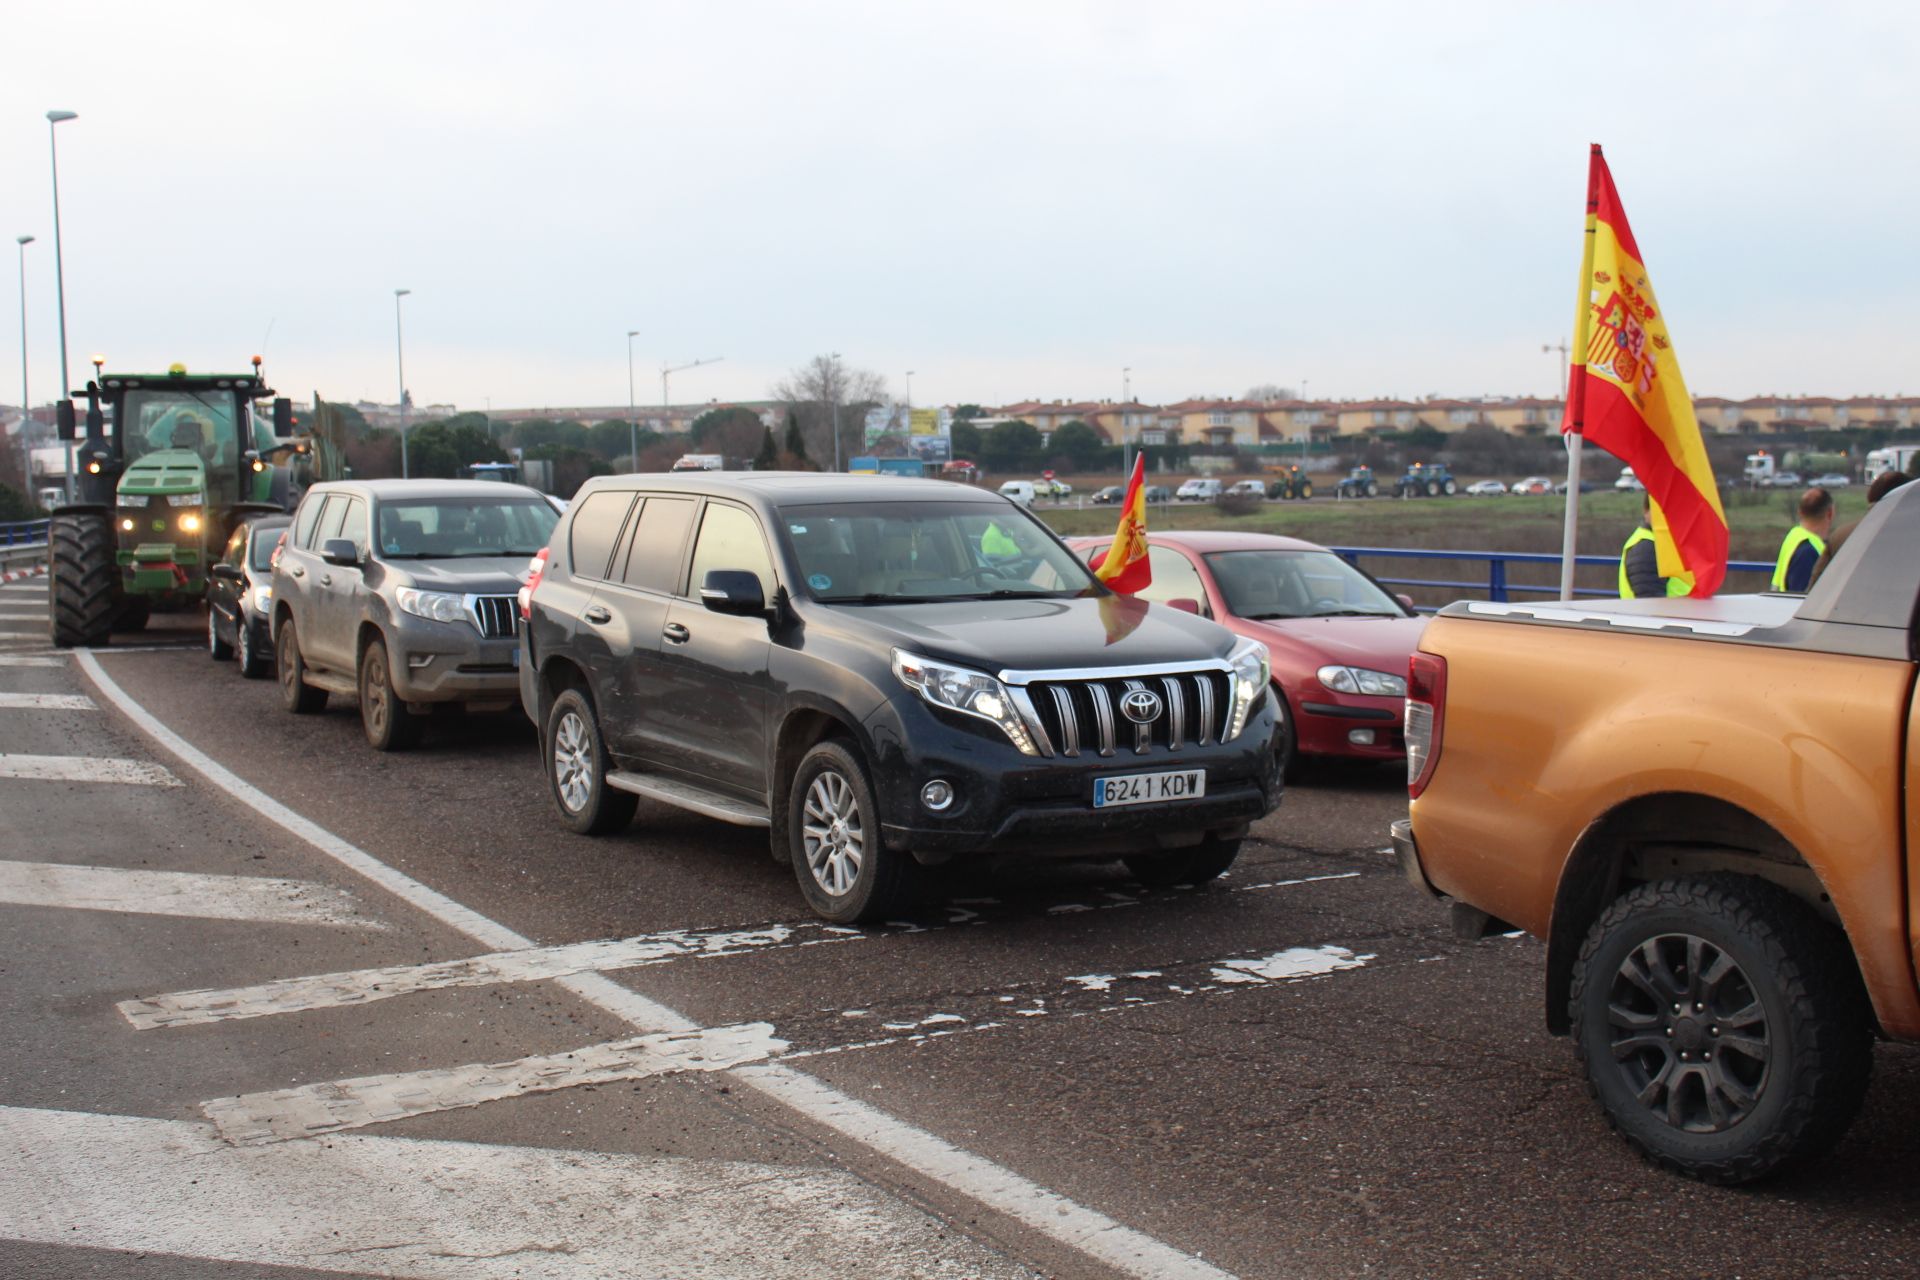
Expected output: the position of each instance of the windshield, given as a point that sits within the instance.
(202, 421)
(459, 528)
(893, 552)
(1297, 584)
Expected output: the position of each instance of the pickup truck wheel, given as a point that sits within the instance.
(845, 869)
(577, 769)
(296, 695)
(1722, 1026)
(389, 725)
(1205, 861)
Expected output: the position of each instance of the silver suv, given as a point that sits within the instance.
(401, 593)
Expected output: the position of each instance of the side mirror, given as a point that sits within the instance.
(340, 551)
(1185, 604)
(68, 426)
(733, 591)
(283, 417)
(1406, 601)
(96, 421)
(224, 571)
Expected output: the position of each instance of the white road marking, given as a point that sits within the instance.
(179, 893)
(138, 773)
(534, 964)
(436, 1210)
(46, 702)
(277, 1116)
(1001, 1190)
(23, 615)
(29, 660)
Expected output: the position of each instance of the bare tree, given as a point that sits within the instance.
(822, 386)
(1268, 392)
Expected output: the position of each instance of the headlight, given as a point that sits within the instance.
(972, 693)
(1250, 675)
(1361, 680)
(190, 523)
(436, 606)
(262, 598)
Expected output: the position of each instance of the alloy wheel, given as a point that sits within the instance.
(834, 833)
(377, 693)
(1689, 1033)
(573, 762)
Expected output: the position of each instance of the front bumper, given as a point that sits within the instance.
(1324, 723)
(1010, 803)
(451, 662)
(1406, 851)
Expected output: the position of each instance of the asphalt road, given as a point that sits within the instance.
(1295, 1071)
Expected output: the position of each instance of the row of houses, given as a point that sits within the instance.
(1254, 422)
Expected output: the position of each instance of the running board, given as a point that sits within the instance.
(684, 795)
(342, 685)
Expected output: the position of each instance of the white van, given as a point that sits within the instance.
(1198, 490)
(1021, 491)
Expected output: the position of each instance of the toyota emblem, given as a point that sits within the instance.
(1142, 706)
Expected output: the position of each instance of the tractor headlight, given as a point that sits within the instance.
(435, 606)
(1380, 684)
(126, 523)
(1251, 671)
(189, 523)
(962, 689)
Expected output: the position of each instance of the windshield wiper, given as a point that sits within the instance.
(1354, 613)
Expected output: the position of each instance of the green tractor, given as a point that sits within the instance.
(169, 465)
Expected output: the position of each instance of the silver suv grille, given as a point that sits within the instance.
(493, 615)
(1187, 708)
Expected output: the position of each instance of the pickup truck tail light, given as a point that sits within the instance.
(536, 568)
(1426, 718)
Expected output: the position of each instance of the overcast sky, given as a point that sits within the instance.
(1014, 200)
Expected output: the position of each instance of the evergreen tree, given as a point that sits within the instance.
(796, 448)
(768, 459)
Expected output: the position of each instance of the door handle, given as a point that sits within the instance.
(297, 572)
(677, 634)
(597, 613)
(326, 579)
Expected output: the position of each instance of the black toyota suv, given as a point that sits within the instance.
(886, 673)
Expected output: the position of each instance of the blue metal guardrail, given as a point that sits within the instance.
(1495, 584)
(23, 533)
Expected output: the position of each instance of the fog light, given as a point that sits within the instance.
(1360, 737)
(415, 661)
(937, 795)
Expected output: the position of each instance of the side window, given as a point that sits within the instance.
(309, 517)
(354, 528)
(659, 536)
(1174, 578)
(330, 524)
(595, 528)
(730, 539)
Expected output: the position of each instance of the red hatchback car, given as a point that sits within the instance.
(1339, 641)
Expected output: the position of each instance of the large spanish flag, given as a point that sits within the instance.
(1125, 568)
(1625, 394)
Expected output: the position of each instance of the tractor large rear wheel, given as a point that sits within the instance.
(83, 578)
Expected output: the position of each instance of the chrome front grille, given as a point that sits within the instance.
(492, 615)
(1090, 715)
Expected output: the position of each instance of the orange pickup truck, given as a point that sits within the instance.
(1710, 810)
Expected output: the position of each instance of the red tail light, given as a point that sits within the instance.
(1426, 718)
(536, 569)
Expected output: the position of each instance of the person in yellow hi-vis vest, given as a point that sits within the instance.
(1640, 562)
(1805, 543)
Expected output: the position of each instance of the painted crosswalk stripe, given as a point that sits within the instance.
(179, 893)
(282, 1114)
(22, 615)
(29, 660)
(46, 702)
(140, 773)
(439, 1210)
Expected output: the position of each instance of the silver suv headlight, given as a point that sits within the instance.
(1251, 672)
(435, 606)
(1360, 680)
(962, 689)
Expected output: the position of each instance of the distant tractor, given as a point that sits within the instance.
(1292, 482)
(1426, 480)
(1357, 483)
(186, 460)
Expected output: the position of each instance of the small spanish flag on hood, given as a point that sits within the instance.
(1125, 568)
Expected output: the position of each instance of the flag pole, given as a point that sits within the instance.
(1577, 382)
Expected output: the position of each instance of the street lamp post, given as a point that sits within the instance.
(908, 424)
(26, 401)
(1563, 349)
(633, 416)
(1126, 445)
(54, 120)
(400, 361)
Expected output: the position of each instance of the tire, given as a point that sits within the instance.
(1205, 861)
(1373, 490)
(218, 648)
(1433, 488)
(577, 768)
(296, 695)
(1449, 488)
(1746, 1105)
(247, 649)
(384, 716)
(134, 614)
(83, 579)
(1306, 491)
(845, 870)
